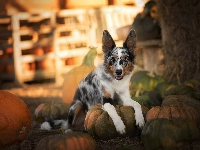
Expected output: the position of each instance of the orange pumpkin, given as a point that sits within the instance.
(67, 141)
(15, 119)
(173, 111)
(99, 124)
(74, 76)
(55, 110)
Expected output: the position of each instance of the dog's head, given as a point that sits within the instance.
(119, 61)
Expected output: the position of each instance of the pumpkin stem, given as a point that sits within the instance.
(137, 92)
(90, 56)
(151, 74)
(62, 131)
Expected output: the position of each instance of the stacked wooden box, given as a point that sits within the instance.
(32, 53)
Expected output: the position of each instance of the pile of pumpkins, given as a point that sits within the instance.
(171, 113)
(173, 118)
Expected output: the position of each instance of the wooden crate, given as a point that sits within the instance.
(73, 35)
(31, 34)
(6, 49)
(113, 17)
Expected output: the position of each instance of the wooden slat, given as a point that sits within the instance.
(70, 39)
(73, 52)
(32, 58)
(38, 74)
(33, 18)
(71, 12)
(64, 28)
(31, 44)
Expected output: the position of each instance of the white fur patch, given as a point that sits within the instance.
(138, 111)
(45, 126)
(119, 125)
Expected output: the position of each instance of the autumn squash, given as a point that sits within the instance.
(162, 133)
(181, 100)
(180, 90)
(145, 80)
(149, 99)
(74, 76)
(161, 87)
(15, 119)
(99, 124)
(174, 111)
(53, 109)
(67, 141)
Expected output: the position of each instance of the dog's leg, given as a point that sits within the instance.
(108, 107)
(127, 101)
(76, 117)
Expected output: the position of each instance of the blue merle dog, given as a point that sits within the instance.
(108, 84)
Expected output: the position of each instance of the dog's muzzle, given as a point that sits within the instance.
(118, 74)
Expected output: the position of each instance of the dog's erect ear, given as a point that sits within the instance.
(130, 42)
(107, 41)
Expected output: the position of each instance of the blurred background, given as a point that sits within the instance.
(44, 39)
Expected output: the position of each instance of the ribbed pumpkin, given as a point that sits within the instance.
(162, 133)
(181, 100)
(15, 119)
(74, 76)
(55, 110)
(180, 90)
(99, 124)
(174, 111)
(161, 87)
(149, 99)
(67, 141)
(145, 80)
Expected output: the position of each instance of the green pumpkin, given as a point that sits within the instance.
(161, 87)
(55, 110)
(149, 99)
(99, 124)
(145, 80)
(181, 100)
(162, 133)
(180, 90)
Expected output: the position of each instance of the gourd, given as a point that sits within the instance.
(15, 119)
(74, 76)
(145, 80)
(181, 100)
(172, 133)
(149, 99)
(67, 141)
(174, 111)
(99, 124)
(55, 110)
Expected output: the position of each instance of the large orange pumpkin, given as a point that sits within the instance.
(173, 111)
(67, 141)
(74, 76)
(15, 119)
(99, 124)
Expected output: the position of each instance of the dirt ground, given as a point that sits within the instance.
(36, 93)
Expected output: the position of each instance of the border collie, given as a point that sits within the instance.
(108, 84)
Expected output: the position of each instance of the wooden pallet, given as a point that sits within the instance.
(72, 37)
(31, 32)
(6, 48)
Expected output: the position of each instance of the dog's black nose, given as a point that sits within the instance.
(118, 72)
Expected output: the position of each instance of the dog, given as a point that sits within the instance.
(108, 84)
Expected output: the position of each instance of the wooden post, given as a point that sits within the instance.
(16, 50)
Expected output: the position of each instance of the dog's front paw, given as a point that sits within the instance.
(120, 127)
(139, 120)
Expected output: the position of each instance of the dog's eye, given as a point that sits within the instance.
(112, 61)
